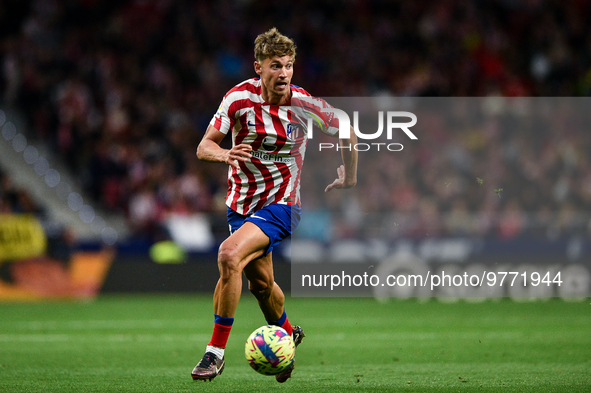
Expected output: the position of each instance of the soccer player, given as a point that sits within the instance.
(263, 195)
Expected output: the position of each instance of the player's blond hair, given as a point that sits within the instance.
(273, 43)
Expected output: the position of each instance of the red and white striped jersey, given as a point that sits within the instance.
(278, 136)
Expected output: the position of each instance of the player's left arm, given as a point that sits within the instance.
(346, 173)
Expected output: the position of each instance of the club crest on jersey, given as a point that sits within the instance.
(293, 131)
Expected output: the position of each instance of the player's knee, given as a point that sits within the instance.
(228, 260)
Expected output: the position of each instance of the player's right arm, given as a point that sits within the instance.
(209, 149)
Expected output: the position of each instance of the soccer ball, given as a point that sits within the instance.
(270, 350)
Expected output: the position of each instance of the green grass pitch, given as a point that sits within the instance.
(151, 343)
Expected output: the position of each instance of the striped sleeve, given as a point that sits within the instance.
(222, 120)
(307, 107)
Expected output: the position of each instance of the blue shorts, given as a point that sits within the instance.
(275, 220)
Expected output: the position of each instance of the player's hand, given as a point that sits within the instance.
(239, 152)
(341, 181)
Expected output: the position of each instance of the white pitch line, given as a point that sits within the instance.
(49, 338)
(419, 336)
(97, 324)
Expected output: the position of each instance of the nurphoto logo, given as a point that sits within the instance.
(392, 123)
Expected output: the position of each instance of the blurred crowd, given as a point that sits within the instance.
(124, 90)
(15, 200)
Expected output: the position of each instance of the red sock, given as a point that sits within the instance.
(287, 327)
(221, 332)
(284, 323)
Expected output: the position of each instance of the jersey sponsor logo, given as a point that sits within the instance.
(263, 156)
(268, 145)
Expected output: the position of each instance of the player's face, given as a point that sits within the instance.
(275, 73)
